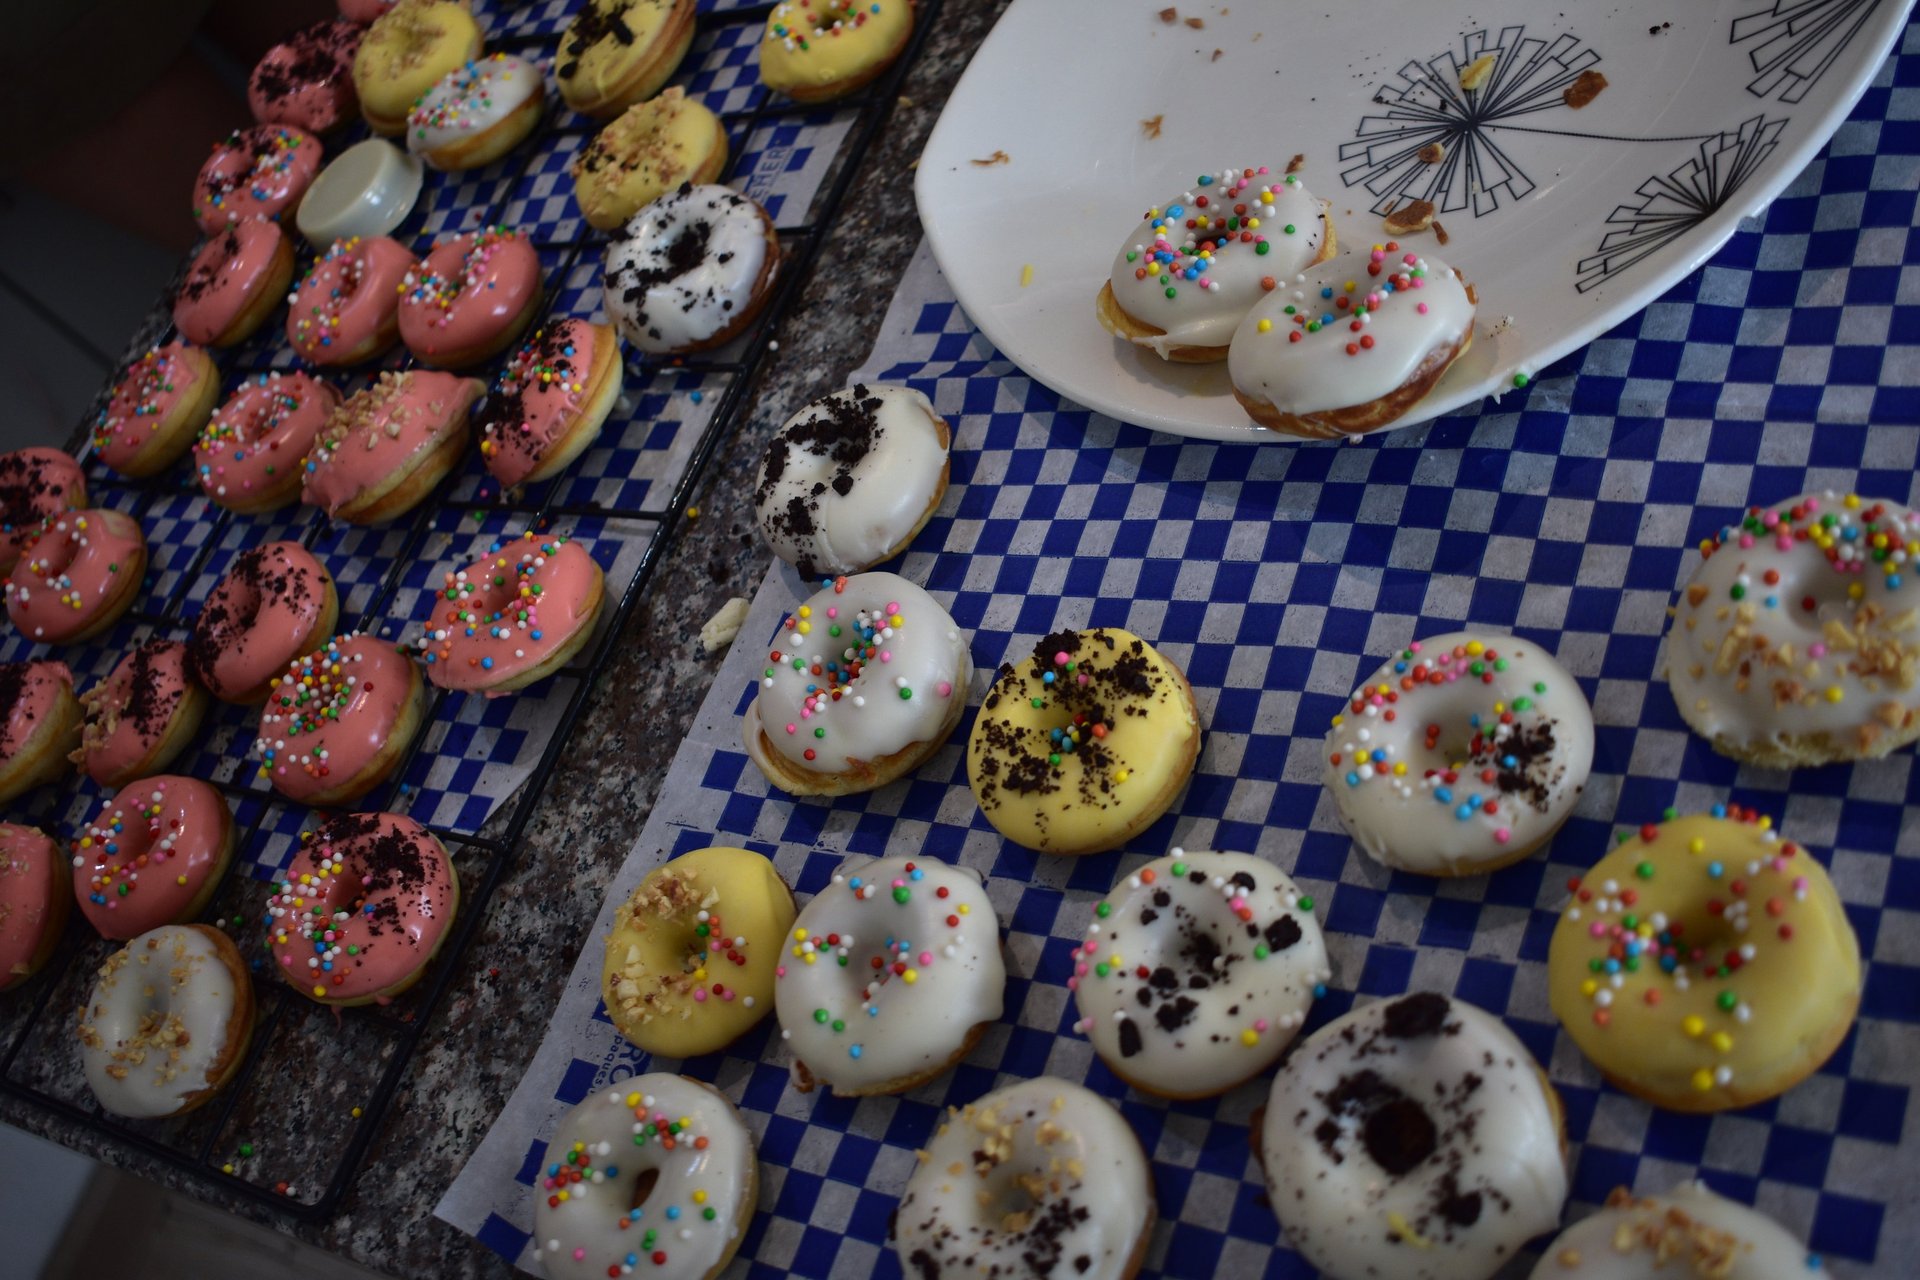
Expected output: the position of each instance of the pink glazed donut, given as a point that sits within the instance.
(276, 603)
(34, 900)
(258, 172)
(35, 483)
(160, 402)
(387, 447)
(346, 309)
(307, 79)
(250, 454)
(39, 724)
(76, 575)
(470, 298)
(233, 284)
(141, 716)
(550, 401)
(339, 720)
(514, 616)
(362, 910)
(154, 856)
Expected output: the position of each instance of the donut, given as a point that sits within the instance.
(233, 283)
(1413, 1138)
(1686, 1232)
(76, 575)
(339, 719)
(34, 901)
(1197, 971)
(346, 308)
(276, 603)
(516, 615)
(1188, 275)
(1463, 753)
(1351, 345)
(619, 52)
(249, 454)
(307, 79)
(153, 856)
(471, 298)
(819, 50)
(649, 149)
(141, 716)
(1041, 1178)
(550, 401)
(893, 975)
(682, 1142)
(691, 270)
(39, 725)
(156, 408)
(362, 910)
(1662, 974)
(168, 1022)
(35, 483)
(477, 113)
(261, 171)
(820, 726)
(690, 959)
(1085, 744)
(383, 450)
(404, 54)
(1794, 644)
(852, 478)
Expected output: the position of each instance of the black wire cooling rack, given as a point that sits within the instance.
(330, 1076)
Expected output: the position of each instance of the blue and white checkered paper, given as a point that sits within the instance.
(1278, 576)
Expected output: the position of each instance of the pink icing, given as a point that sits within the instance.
(364, 12)
(508, 611)
(468, 291)
(262, 432)
(226, 275)
(129, 711)
(380, 428)
(539, 396)
(331, 713)
(34, 484)
(258, 618)
(141, 862)
(29, 692)
(146, 392)
(362, 907)
(29, 877)
(307, 79)
(257, 172)
(67, 573)
(346, 298)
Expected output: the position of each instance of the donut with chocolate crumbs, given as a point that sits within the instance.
(262, 171)
(307, 79)
(35, 483)
(233, 283)
(550, 401)
(691, 270)
(619, 52)
(276, 603)
(141, 716)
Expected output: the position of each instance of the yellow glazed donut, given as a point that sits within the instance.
(619, 52)
(818, 50)
(1082, 746)
(1705, 963)
(689, 964)
(647, 152)
(405, 54)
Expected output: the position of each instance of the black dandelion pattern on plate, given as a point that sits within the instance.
(1426, 105)
(1797, 40)
(1674, 203)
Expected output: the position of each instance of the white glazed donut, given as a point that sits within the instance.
(851, 478)
(863, 682)
(893, 973)
(1795, 643)
(585, 1223)
(168, 1022)
(1414, 1139)
(1463, 753)
(1688, 1232)
(1196, 971)
(691, 269)
(476, 112)
(1041, 1178)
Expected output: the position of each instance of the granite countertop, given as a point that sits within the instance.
(489, 1024)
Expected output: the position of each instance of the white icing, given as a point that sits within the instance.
(581, 1236)
(1214, 266)
(470, 100)
(1317, 373)
(1496, 1155)
(934, 932)
(1225, 991)
(923, 654)
(1687, 1234)
(157, 1022)
(1752, 670)
(661, 308)
(1040, 1170)
(1419, 820)
(888, 487)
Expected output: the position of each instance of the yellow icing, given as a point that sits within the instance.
(406, 52)
(602, 65)
(801, 52)
(650, 149)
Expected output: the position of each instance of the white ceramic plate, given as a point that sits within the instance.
(1567, 221)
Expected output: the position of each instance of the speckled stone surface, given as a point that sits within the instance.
(505, 987)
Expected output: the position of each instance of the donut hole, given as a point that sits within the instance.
(1012, 1199)
(643, 1187)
